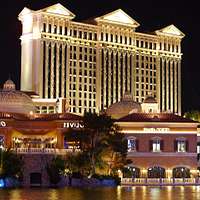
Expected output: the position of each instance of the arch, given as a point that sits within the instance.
(156, 138)
(35, 179)
(156, 172)
(131, 172)
(181, 172)
(132, 143)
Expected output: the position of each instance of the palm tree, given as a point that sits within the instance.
(55, 169)
(11, 164)
(98, 136)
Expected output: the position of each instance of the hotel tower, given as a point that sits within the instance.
(93, 63)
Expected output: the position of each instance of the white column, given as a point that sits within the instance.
(175, 88)
(114, 76)
(105, 77)
(167, 85)
(47, 69)
(109, 77)
(119, 76)
(163, 85)
(52, 71)
(179, 87)
(57, 68)
(63, 71)
(171, 87)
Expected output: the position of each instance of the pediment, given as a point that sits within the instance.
(25, 11)
(60, 10)
(170, 30)
(118, 17)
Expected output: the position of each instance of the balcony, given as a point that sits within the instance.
(44, 151)
(160, 181)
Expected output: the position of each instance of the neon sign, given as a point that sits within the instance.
(72, 125)
(156, 130)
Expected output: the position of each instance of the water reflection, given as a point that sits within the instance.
(108, 193)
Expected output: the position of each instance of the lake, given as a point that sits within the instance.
(104, 193)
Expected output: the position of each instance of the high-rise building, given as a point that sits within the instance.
(93, 63)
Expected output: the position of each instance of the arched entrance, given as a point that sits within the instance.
(35, 179)
(131, 172)
(181, 172)
(156, 172)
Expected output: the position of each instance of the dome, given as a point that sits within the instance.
(124, 107)
(150, 99)
(14, 101)
(9, 85)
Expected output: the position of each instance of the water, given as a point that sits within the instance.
(119, 193)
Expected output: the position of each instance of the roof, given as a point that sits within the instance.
(154, 117)
(150, 99)
(40, 117)
(118, 17)
(170, 30)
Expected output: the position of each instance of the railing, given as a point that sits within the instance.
(160, 181)
(44, 151)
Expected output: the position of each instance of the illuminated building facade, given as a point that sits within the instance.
(92, 64)
(157, 141)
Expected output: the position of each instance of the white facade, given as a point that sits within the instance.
(94, 64)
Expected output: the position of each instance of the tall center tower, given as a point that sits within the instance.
(93, 64)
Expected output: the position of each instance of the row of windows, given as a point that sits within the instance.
(146, 86)
(116, 38)
(142, 79)
(84, 72)
(81, 63)
(74, 102)
(86, 57)
(83, 49)
(89, 88)
(147, 66)
(83, 94)
(147, 58)
(82, 110)
(107, 37)
(143, 93)
(91, 80)
(156, 145)
(169, 47)
(147, 72)
(143, 44)
(49, 28)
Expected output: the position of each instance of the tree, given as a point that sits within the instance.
(99, 137)
(11, 164)
(78, 163)
(117, 151)
(55, 169)
(194, 115)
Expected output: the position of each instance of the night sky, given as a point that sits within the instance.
(151, 14)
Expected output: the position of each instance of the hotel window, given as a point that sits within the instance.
(156, 145)
(132, 144)
(44, 27)
(181, 145)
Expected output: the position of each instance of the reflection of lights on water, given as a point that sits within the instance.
(53, 195)
(155, 192)
(2, 184)
(15, 194)
(197, 188)
(119, 192)
(169, 192)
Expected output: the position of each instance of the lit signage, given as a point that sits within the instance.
(2, 124)
(156, 130)
(72, 125)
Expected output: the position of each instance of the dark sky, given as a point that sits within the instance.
(151, 14)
